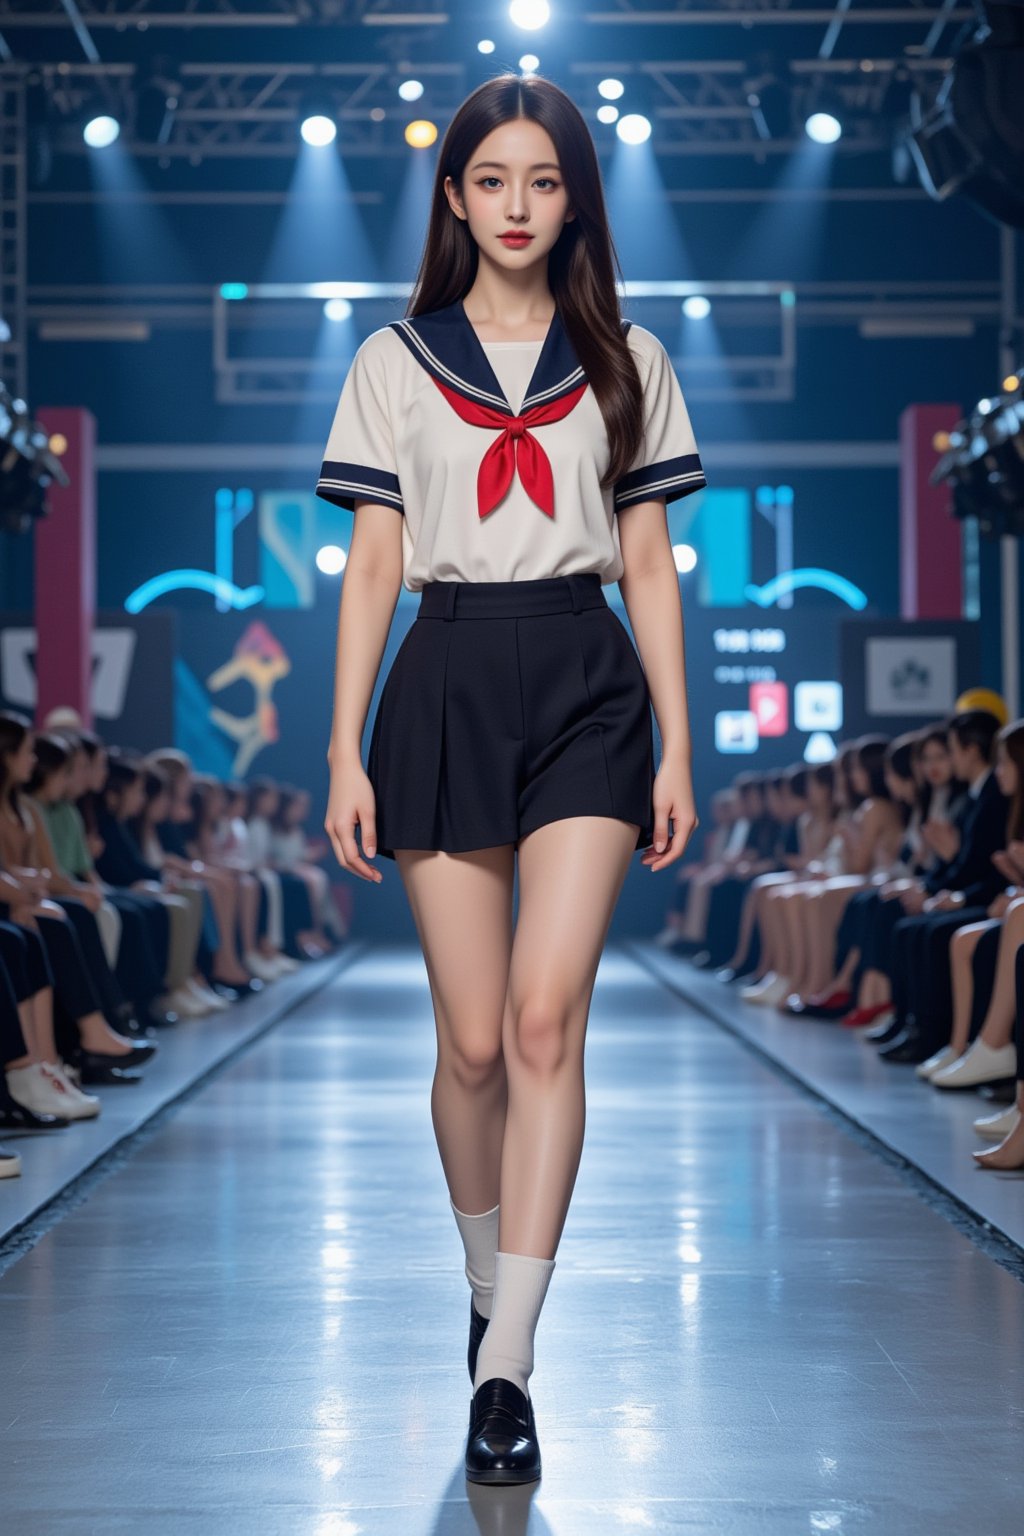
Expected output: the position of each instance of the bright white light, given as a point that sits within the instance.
(634, 128)
(607, 114)
(611, 90)
(529, 62)
(823, 128)
(685, 557)
(529, 14)
(101, 131)
(411, 90)
(330, 559)
(337, 309)
(319, 130)
(696, 307)
(485, 45)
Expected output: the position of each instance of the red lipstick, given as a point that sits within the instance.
(515, 240)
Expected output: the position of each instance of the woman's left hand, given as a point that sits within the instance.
(672, 797)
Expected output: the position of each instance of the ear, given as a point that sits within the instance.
(455, 202)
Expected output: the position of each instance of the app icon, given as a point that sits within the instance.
(818, 706)
(736, 730)
(770, 703)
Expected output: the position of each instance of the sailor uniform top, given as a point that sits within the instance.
(493, 452)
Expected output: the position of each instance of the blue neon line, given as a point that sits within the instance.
(198, 581)
(790, 581)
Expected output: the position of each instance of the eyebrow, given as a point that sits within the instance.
(545, 165)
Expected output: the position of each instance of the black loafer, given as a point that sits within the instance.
(477, 1329)
(502, 1444)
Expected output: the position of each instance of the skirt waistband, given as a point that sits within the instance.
(511, 599)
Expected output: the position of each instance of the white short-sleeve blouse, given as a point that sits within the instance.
(494, 451)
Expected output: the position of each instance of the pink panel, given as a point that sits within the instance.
(931, 560)
(65, 570)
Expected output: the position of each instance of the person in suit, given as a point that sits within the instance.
(958, 890)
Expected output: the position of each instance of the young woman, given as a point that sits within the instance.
(291, 851)
(508, 448)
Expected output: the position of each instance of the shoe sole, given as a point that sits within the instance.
(502, 1476)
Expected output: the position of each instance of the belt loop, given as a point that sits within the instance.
(449, 599)
(574, 588)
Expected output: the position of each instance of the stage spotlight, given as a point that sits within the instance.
(485, 45)
(970, 139)
(411, 90)
(611, 90)
(319, 130)
(420, 133)
(28, 466)
(101, 131)
(330, 558)
(984, 464)
(528, 63)
(696, 307)
(823, 128)
(771, 109)
(685, 557)
(634, 128)
(529, 14)
(607, 114)
(338, 309)
(234, 290)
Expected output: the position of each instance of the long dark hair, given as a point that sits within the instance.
(52, 752)
(14, 727)
(871, 752)
(1012, 738)
(582, 262)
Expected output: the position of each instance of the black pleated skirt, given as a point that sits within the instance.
(510, 704)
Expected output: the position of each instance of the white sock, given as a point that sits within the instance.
(480, 1240)
(520, 1285)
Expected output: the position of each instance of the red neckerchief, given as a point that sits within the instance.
(515, 449)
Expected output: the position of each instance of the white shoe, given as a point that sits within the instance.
(42, 1088)
(995, 1127)
(665, 938)
(211, 1000)
(89, 1104)
(185, 1005)
(260, 966)
(757, 989)
(979, 1064)
(10, 1164)
(285, 964)
(942, 1058)
(774, 993)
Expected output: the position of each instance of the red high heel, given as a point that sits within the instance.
(859, 1016)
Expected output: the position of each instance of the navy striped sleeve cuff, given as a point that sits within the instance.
(670, 478)
(342, 483)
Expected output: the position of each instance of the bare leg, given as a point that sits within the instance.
(961, 954)
(753, 908)
(570, 875)
(1010, 1151)
(462, 907)
(823, 918)
(997, 1029)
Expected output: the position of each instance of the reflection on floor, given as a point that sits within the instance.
(755, 1325)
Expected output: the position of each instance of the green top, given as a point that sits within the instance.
(67, 834)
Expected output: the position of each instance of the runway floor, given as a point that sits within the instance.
(756, 1325)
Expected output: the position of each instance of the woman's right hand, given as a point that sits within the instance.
(351, 801)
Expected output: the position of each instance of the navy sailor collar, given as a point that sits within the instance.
(445, 343)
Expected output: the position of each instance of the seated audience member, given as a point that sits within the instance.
(296, 903)
(809, 910)
(760, 833)
(83, 1046)
(209, 802)
(233, 849)
(962, 1062)
(292, 850)
(227, 973)
(811, 819)
(193, 997)
(1009, 1123)
(958, 891)
(721, 838)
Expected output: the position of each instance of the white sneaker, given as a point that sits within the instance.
(89, 1104)
(285, 964)
(40, 1087)
(206, 995)
(980, 1063)
(942, 1058)
(10, 1164)
(995, 1127)
(260, 966)
(775, 992)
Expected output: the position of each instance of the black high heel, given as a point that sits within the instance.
(502, 1443)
